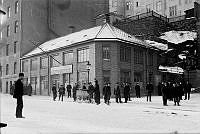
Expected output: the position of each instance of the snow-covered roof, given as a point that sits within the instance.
(104, 32)
(177, 37)
(158, 45)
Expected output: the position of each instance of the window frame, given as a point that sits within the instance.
(8, 30)
(15, 68)
(9, 12)
(7, 69)
(69, 54)
(15, 47)
(83, 54)
(16, 26)
(106, 52)
(16, 7)
(7, 49)
(41, 65)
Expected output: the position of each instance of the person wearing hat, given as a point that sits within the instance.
(117, 93)
(54, 91)
(61, 92)
(137, 90)
(96, 93)
(18, 93)
(107, 93)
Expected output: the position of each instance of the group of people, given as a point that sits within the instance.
(174, 91)
(93, 91)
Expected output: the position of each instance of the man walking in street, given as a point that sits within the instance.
(90, 92)
(18, 93)
(74, 89)
(54, 92)
(137, 90)
(149, 89)
(61, 92)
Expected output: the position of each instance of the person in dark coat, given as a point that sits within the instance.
(170, 91)
(176, 94)
(129, 92)
(187, 87)
(137, 90)
(96, 93)
(61, 92)
(54, 91)
(69, 88)
(30, 89)
(160, 86)
(74, 89)
(18, 93)
(84, 87)
(107, 93)
(117, 93)
(90, 92)
(149, 89)
(126, 92)
(164, 91)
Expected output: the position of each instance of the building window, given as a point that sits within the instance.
(55, 60)
(25, 66)
(6, 86)
(138, 57)
(7, 49)
(16, 6)
(15, 67)
(15, 47)
(43, 62)
(7, 69)
(125, 76)
(149, 7)
(33, 81)
(16, 26)
(138, 76)
(128, 5)
(68, 58)
(173, 11)
(106, 76)
(34, 64)
(43, 82)
(158, 6)
(8, 12)
(125, 54)
(83, 55)
(151, 59)
(106, 53)
(137, 4)
(8, 30)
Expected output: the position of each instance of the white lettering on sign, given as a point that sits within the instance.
(61, 69)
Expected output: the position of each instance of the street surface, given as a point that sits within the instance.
(45, 116)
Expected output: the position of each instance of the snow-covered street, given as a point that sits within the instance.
(44, 116)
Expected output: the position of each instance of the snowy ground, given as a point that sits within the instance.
(44, 116)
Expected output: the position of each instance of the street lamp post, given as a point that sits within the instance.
(88, 70)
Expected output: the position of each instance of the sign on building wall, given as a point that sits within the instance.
(61, 69)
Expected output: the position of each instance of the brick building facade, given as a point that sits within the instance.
(114, 55)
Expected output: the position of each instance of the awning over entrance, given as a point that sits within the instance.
(176, 70)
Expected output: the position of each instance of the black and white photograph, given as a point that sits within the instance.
(99, 66)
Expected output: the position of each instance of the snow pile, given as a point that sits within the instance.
(157, 45)
(177, 37)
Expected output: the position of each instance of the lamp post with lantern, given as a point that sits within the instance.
(88, 70)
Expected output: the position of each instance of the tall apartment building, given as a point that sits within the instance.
(39, 21)
(168, 8)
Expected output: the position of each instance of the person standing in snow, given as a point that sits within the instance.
(69, 88)
(137, 90)
(187, 87)
(117, 93)
(149, 89)
(54, 90)
(175, 89)
(90, 92)
(96, 93)
(18, 93)
(126, 92)
(164, 91)
(74, 89)
(107, 93)
(61, 92)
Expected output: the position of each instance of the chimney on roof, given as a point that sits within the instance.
(71, 29)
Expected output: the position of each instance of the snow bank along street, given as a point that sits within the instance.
(45, 116)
